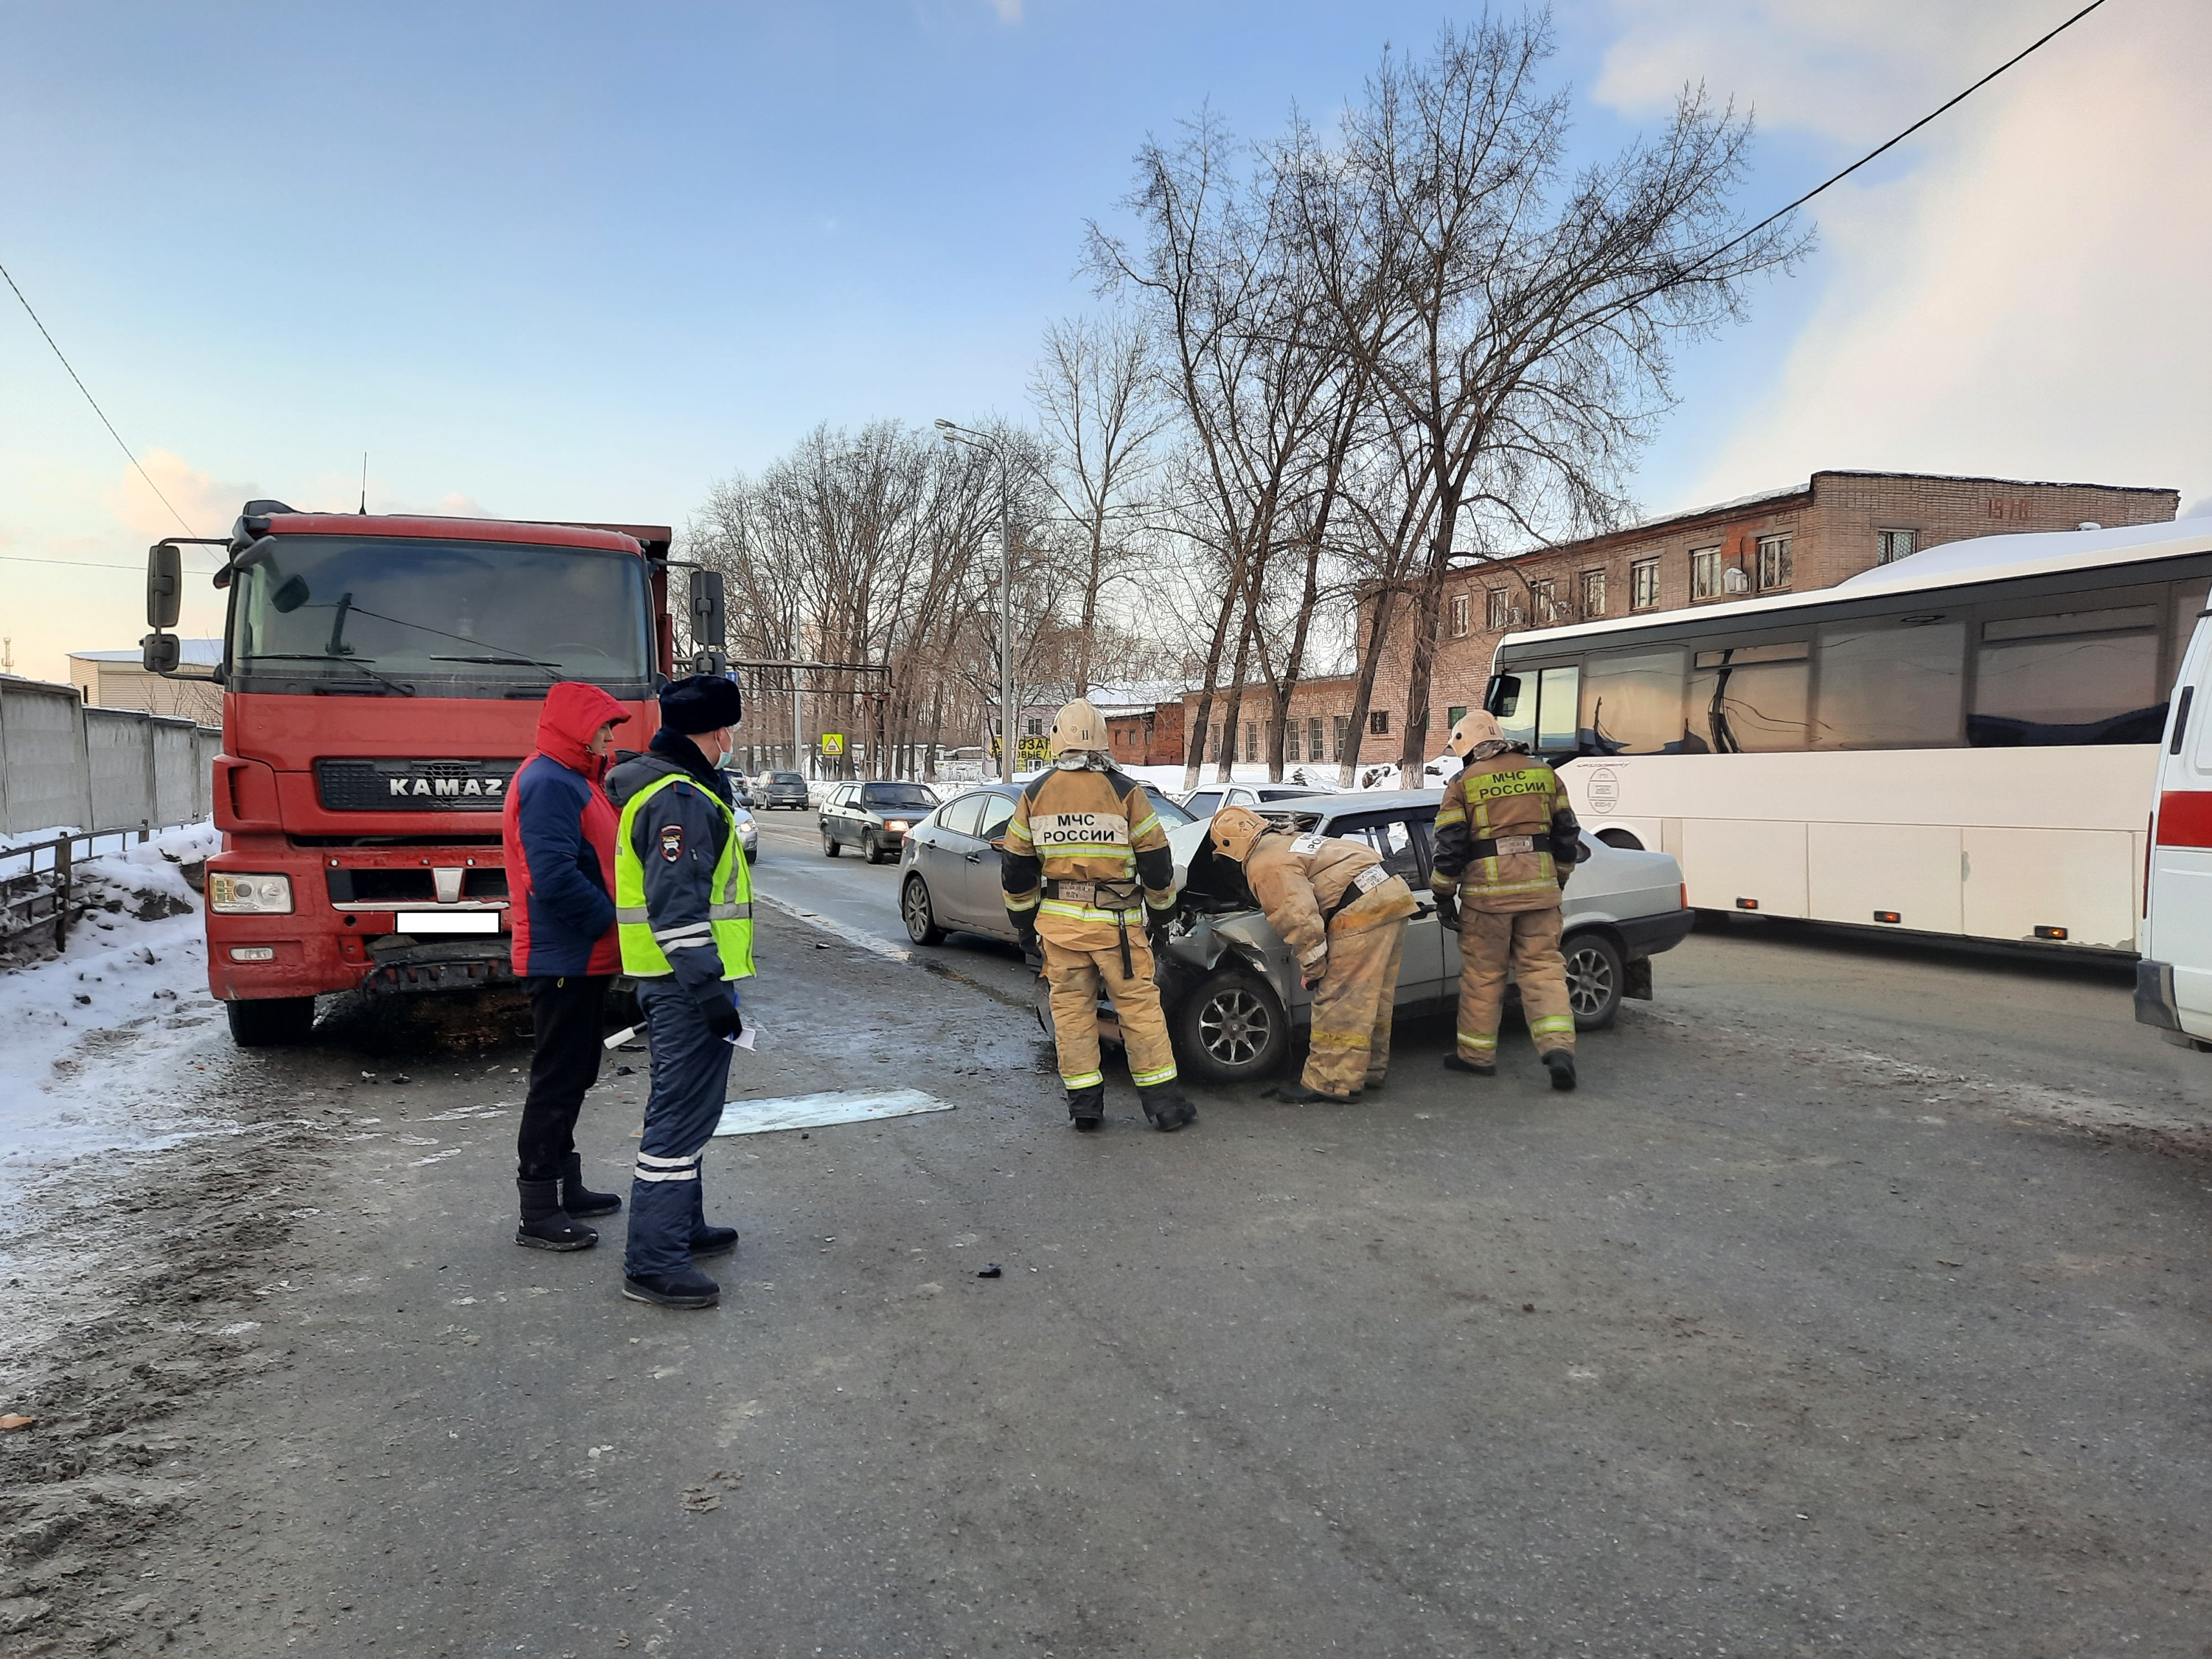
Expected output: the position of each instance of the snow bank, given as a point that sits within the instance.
(96, 1044)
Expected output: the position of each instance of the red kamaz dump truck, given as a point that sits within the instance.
(382, 678)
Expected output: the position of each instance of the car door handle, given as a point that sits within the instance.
(975, 858)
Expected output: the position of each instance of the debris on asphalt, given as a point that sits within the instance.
(625, 1071)
(16, 1420)
(991, 1271)
(699, 1500)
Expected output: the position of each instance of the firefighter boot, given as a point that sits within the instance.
(581, 1200)
(545, 1225)
(1560, 1063)
(1086, 1108)
(1297, 1094)
(1164, 1105)
(1454, 1063)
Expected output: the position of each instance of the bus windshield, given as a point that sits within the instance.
(379, 615)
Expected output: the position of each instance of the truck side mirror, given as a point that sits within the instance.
(707, 609)
(161, 653)
(165, 584)
(1502, 696)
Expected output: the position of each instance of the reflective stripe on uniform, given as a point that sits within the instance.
(1152, 1079)
(688, 1172)
(1339, 1040)
(1473, 1041)
(1551, 1023)
(657, 1161)
(1080, 912)
(1084, 1080)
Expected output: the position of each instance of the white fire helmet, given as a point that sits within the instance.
(1078, 728)
(1476, 725)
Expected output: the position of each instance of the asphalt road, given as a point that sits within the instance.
(1856, 1304)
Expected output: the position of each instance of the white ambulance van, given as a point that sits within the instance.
(2173, 979)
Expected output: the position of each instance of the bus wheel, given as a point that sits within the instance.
(1623, 839)
(271, 1021)
(1593, 979)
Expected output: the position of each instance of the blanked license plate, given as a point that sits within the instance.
(447, 921)
(1516, 844)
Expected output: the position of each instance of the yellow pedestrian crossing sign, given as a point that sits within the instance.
(833, 743)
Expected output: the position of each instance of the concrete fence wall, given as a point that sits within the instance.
(63, 763)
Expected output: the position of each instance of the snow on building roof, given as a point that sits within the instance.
(197, 654)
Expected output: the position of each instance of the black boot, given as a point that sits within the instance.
(687, 1287)
(1297, 1094)
(1454, 1063)
(576, 1198)
(1087, 1107)
(545, 1225)
(713, 1241)
(1560, 1063)
(1164, 1105)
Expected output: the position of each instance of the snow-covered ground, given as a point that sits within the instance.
(96, 1045)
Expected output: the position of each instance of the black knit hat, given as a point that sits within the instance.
(705, 702)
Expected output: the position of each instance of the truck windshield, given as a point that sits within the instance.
(382, 615)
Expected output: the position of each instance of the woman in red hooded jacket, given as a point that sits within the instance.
(559, 830)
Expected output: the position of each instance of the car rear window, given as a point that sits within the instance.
(908, 796)
(786, 777)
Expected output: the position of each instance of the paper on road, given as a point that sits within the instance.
(744, 1041)
(754, 1117)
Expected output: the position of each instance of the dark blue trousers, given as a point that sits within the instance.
(691, 1083)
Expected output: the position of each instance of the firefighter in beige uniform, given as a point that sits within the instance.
(1088, 877)
(1344, 914)
(1505, 840)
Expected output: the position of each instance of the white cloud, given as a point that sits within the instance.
(208, 506)
(2026, 299)
(1009, 11)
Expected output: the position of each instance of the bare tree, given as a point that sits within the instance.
(1094, 393)
(1516, 320)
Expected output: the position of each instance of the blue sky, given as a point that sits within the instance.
(563, 260)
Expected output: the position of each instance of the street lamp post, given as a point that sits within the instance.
(985, 441)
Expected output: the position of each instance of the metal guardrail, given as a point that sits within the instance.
(46, 894)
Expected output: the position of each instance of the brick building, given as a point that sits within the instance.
(1144, 724)
(1812, 535)
(1319, 726)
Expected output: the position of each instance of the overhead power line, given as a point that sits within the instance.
(127, 452)
(76, 564)
(1871, 155)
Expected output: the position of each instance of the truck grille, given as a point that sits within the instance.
(366, 887)
(413, 786)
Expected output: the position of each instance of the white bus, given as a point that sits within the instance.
(1962, 743)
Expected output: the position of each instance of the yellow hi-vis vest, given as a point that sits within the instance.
(729, 902)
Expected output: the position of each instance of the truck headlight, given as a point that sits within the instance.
(232, 895)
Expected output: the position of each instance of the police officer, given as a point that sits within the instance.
(1505, 840)
(1088, 877)
(1344, 913)
(683, 915)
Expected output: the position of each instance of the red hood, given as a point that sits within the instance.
(573, 711)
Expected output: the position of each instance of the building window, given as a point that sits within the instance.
(1454, 716)
(1290, 742)
(1500, 611)
(1593, 594)
(1704, 573)
(1251, 740)
(1343, 723)
(1378, 723)
(1213, 745)
(1034, 728)
(1459, 609)
(1643, 584)
(1543, 609)
(1891, 545)
(1773, 563)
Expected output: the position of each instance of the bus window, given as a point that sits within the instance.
(2069, 678)
(1751, 699)
(1890, 687)
(1513, 699)
(1632, 703)
(2187, 598)
(1555, 712)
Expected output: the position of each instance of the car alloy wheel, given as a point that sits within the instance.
(1594, 979)
(1235, 1026)
(921, 921)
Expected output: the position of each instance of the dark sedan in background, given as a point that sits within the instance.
(872, 817)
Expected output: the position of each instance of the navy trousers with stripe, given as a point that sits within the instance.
(690, 1082)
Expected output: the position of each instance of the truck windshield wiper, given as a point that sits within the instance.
(501, 662)
(360, 663)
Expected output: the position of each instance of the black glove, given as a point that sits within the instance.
(1025, 929)
(1157, 923)
(1448, 910)
(723, 1018)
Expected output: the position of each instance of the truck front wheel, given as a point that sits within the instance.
(271, 1021)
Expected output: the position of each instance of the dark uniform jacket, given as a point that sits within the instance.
(677, 889)
(1505, 834)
